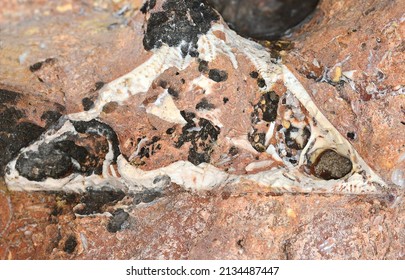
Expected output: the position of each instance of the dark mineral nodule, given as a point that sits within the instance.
(331, 165)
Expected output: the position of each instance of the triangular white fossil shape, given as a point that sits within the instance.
(118, 172)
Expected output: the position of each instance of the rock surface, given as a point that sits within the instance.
(235, 221)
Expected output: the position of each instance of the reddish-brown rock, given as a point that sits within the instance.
(240, 221)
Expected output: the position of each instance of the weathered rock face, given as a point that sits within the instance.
(150, 108)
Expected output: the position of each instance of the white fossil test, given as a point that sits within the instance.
(293, 151)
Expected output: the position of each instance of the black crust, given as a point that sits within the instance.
(173, 27)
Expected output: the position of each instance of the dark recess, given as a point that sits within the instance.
(264, 19)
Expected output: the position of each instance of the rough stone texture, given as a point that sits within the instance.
(244, 223)
(366, 37)
(238, 222)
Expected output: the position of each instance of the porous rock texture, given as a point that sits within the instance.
(348, 56)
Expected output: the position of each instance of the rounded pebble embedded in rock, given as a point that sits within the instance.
(331, 165)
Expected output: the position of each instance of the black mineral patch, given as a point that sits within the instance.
(233, 151)
(163, 84)
(99, 85)
(95, 127)
(87, 103)
(150, 148)
(145, 7)
(173, 92)
(38, 65)
(257, 140)
(44, 163)
(202, 140)
(152, 4)
(88, 163)
(254, 74)
(180, 22)
(263, 19)
(203, 66)
(331, 165)
(148, 5)
(94, 201)
(62, 157)
(117, 221)
(170, 130)
(7, 96)
(188, 116)
(146, 197)
(14, 134)
(204, 105)
(196, 157)
(9, 118)
(269, 105)
(218, 75)
(261, 82)
(208, 130)
(351, 135)
(50, 117)
(24, 133)
(70, 244)
(292, 142)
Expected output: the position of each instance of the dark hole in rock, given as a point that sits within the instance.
(117, 221)
(264, 19)
(331, 165)
(351, 135)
